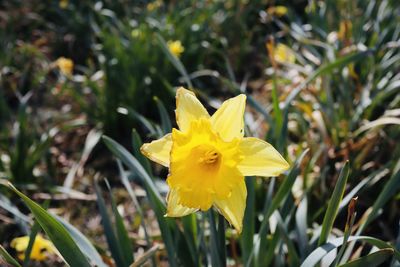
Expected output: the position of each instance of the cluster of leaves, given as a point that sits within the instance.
(333, 111)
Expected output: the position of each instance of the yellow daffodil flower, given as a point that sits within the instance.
(65, 65)
(209, 156)
(176, 48)
(40, 250)
(283, 53)
(154, 5)
(278, 11)
(345, 30)
(63, 4)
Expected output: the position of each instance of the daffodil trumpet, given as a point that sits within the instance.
(208, 157)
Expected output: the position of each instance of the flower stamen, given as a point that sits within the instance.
(208, 154)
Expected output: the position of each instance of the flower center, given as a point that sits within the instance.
(207, 154)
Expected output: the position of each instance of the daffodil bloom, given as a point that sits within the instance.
(63, 4)
(176, 48)
(208, 157)
(284, 54)
(65, 65)
(345, 30)
(40, 250)
(277, 11)
(281, 53)
(154, 5)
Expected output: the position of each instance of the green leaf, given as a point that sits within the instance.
(323, 250)
(301, 226)
(32, 237)
(109, 231)
(378, 123)
(215, 249)
(391, 187)
(56, 232)
(283, 191)
(247, 236)
(122, 233)
(83, 243)
(154, 196)
(146, 256)
(340, 62)
(137, 143)
(190, 234)
(333, 205)
(8, 258)
(292, 253)
(286, 186)
(166, 125)
(371, 260)
(174, 60)
(121, 153)
(149, 125)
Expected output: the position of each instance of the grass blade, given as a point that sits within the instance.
(137, 143)
(147, 255)
(83, 243)
(340, 62)
(323, 250)
(122, 233)
(127, 158)
(166, 125)
(214, 248)
(109, 231)
(8, 258)
(333, 205)
(56, 232)
(388, 191)
(351, 217)
(277, 200)
(174, 60)
(35, 230)
(371, 260)
(154, 196)
(247, 236)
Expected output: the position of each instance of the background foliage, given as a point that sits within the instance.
(322, 80)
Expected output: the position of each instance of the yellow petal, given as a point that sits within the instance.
(233, 207)
(228, 119)
(158, 150)
(188, 108)
(20, 243)
(174, 209)
(260, 158)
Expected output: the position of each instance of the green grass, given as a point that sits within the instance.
(333, 113)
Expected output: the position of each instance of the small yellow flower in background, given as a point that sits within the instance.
(176, 48)
(135, 33)
(63, 4)
(282, 53)
(277, 11)
(154, 5)
(345, 30)
(65, 65)
(40, 250)
(209, 156)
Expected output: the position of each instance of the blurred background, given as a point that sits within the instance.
(319, 75)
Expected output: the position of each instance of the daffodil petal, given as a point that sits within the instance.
(158, 150)
(188, 109)
(20, 243)
(260, 158)
(228, 119)
(174, 209)
(233, 207)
